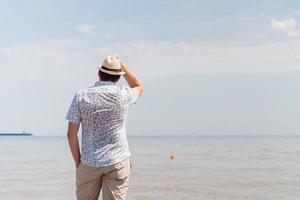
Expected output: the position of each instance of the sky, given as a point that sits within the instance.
(207, 67)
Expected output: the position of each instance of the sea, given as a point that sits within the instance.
(204, 167)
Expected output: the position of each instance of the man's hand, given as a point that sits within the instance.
(77, 164)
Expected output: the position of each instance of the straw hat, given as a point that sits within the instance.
(112, 65)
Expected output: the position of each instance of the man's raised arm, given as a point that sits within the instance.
(132, 80)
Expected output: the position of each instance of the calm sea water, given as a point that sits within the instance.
(206, 167)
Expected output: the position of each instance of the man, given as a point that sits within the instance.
(103, 162)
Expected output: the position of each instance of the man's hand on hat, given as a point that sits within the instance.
(118, 57)
(122, 65)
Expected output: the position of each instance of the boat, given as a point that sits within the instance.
(16, 134)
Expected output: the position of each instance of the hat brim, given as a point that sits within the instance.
(111, 72)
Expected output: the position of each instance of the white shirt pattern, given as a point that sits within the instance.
(102, 112)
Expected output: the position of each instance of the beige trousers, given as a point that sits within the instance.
(112, 179)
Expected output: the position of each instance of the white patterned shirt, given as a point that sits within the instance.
(102, 112)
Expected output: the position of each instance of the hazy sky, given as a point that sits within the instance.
(208, 67)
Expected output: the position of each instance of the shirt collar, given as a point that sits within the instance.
(98, 83)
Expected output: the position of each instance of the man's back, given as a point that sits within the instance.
(102, 111)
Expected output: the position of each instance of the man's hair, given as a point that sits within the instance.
(108, 77)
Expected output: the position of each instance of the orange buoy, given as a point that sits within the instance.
(172, 157)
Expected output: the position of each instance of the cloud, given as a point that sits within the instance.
(46, 74)
(59, 58)
(175, 58)
(64, 61)
(288, 26)
(85, 28)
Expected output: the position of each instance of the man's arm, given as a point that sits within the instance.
(132, 80)
(73, 142)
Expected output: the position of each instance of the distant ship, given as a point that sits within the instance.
(16, 134)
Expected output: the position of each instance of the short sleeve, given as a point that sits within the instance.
(130, 95)
(74, 114)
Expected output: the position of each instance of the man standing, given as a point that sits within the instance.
(103, 162)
